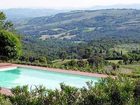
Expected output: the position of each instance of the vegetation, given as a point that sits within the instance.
(10, 47)
(93, 49)
(119, 91)
(85, 25)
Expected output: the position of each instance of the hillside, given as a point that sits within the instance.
(16, 14)
(85, 25)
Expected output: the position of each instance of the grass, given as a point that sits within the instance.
(59, 62)
(135, 68)
(125, 48)
(114, 61)
(132, 70)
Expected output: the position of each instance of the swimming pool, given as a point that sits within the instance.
(26, 76)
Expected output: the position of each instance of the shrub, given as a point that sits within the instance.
(118, 91)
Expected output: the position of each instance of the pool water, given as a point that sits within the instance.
(51, 80)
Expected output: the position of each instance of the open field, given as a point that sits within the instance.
(114, 61)
(60, 62)
(125, 48)
(134, 68)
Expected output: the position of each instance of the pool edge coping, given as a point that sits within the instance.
(8, 65)
(64, 71)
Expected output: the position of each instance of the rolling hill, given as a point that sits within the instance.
(16, 14)
(85, 25)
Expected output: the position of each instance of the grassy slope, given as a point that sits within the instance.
(125, 48)
(131, 69)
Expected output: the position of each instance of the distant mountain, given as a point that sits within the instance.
(25, 13)
(119, 6)
(85, 25)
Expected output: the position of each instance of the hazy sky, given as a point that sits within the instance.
(62, 4)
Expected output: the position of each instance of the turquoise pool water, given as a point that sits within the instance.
(31, 77)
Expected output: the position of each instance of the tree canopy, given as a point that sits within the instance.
(10, 46)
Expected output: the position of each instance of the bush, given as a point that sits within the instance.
(137, 92)
(118, 91)
(120, 62)
(43, 60)
(4, 100)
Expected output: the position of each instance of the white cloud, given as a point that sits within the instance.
(61, 3)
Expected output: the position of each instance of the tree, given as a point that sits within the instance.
(63, 56)
(81, 63)
(115, 66)
(96, 60)
(6, 25)
(88, 52)
(2, 19)
(125, 59)
(42, 59)
(10, 46)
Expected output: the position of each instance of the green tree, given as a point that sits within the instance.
(42, 59)
(115, 66)
(2, 19)
(96, 60)
(81, 63)
(10, 46)
(88, 52)
(6, 25)
(125, 59)
(63, 56)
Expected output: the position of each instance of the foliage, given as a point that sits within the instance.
(43, 60)
(10, 46)
(63, 55)
(96, 60)
(118, 91)
(115, 66)
(6, 25)
(4, 100)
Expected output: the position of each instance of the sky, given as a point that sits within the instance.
(62, 4)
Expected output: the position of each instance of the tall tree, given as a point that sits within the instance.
(10, 46)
